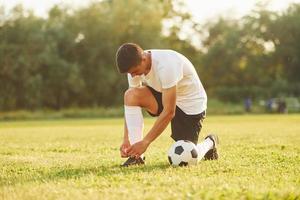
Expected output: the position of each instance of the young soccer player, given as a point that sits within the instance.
(166, 84)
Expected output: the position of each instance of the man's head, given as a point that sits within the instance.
(130, 58)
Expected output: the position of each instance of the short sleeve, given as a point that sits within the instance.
(170, 75)
(134, 81)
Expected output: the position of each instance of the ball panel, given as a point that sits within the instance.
(181, 164)
(194, 153)
(179, 150)
(176, 159)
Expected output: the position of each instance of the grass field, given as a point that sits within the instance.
(79, 159)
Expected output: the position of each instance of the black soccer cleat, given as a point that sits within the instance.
(133, 161)
(212, 154)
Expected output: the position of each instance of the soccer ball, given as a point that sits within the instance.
(183, 153)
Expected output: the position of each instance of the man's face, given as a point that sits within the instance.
(139, 69)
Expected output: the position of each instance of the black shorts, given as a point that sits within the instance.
(183, 126)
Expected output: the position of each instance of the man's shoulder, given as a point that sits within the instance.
(161, 51)
(164, 55)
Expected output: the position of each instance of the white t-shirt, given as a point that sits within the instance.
(170, 68)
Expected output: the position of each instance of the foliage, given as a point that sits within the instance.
(253, 57)
(67, 59)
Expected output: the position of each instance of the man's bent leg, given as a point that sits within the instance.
(134, 100)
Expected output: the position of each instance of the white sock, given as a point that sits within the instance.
(204, 147)
(135, 123)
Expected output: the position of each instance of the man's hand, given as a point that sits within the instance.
(137, 149)
(124, 149)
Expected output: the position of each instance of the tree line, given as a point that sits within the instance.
(68, 58)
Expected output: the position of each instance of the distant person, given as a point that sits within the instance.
(270, 104)
(165, 83)
(248, 104)
(281, 106)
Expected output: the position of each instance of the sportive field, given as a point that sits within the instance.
(79, 159)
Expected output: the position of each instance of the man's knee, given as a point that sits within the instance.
(131, 97)
(141, 97)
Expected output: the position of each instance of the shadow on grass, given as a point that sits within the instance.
(58, 173)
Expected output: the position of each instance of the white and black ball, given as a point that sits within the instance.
(183, 153)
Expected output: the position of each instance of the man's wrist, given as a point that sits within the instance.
(147, 141)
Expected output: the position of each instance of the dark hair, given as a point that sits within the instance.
(128, 55)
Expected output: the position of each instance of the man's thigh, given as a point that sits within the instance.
(158, 99)
(186, 127)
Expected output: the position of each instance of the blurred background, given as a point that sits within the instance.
(57, 58)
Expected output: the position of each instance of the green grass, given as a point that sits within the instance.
(79, 159)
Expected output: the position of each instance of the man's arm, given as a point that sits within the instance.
(169, 103)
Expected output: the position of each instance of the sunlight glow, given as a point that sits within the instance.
(208, 10)
(201, 10)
